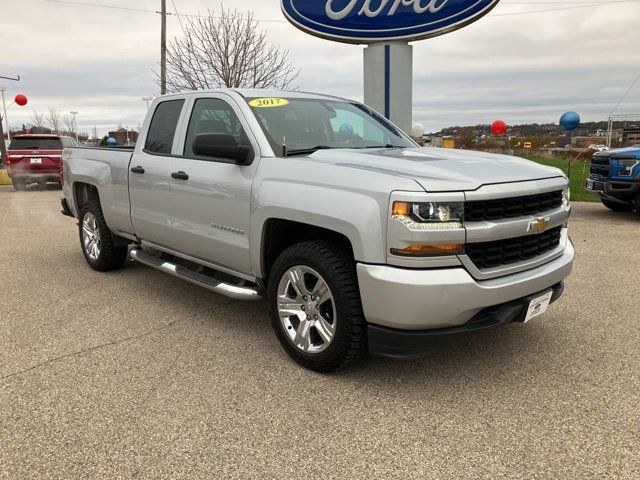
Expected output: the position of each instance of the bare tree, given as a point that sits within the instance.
(38, 120)
(226, 51)
(69, 124)
(94, 133)
(54, 120)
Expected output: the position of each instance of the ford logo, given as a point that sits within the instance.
(368, 21)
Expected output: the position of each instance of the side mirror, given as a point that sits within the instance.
(222, 145)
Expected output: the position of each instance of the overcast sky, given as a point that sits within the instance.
(522, 68)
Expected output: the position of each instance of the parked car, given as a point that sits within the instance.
(597, 147)
(35, 158)
(361, 241)
(615, 176)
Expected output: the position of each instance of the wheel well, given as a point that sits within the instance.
(83, 192)
(278, 235)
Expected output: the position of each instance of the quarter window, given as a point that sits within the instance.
(163, 126)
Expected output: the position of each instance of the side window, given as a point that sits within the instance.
(163, 125)
(212, 115)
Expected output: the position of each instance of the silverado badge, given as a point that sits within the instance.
(539, 225)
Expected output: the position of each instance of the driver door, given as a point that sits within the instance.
(211, 197)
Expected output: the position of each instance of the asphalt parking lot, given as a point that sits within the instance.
(135, 374)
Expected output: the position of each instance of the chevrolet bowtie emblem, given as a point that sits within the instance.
(539, 225)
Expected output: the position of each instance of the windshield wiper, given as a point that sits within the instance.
(388, 145)
(307, 151)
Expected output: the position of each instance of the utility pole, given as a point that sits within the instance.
(163, 47)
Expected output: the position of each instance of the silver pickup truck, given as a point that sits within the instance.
(361, 241)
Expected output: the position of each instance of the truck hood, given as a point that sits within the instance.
(438, 169)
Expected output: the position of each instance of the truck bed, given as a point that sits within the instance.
(109, 168)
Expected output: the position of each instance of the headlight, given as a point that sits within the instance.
(625, 167)
(429, 215)
(566, 197)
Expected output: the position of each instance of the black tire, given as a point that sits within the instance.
(637, 202)
(110, 256)
(337, 269)
(19, 184)
(617, 207)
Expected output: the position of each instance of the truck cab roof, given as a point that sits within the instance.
(263, 92)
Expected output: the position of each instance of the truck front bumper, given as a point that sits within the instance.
(428, 305)
(614, 189)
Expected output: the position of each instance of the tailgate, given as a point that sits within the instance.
(34, 162)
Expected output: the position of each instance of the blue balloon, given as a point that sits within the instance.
(112, 141)
(570, 121)
(346, 130)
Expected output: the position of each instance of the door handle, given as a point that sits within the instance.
(137, 169)
(180, 175)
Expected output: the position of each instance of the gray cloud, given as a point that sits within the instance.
(526, 68)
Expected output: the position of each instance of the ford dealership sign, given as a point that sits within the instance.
(368, 21)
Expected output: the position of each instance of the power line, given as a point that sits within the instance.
(560, 8)
(633, 84)
(574, 5)
(177, 14)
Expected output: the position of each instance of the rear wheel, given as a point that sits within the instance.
(315, 306)
(19, 184)
(617, 207)
(96, 240)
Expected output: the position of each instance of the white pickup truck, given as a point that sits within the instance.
(361, 241)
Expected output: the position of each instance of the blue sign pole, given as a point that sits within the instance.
(386, 27)
(388, 79)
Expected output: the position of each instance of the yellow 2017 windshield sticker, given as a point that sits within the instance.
(268, 102)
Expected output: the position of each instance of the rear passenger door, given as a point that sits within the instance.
(150, 174)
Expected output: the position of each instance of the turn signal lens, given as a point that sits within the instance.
(401, 208)
(429, 250)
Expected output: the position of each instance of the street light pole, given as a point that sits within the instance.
(6, 119)
(147, 99)
(75, 125)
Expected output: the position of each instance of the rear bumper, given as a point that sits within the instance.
(411, 299)
(36, 177)
(389, 342)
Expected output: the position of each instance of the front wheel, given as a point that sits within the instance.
(617, 207)
(96, 240)
(315, 306)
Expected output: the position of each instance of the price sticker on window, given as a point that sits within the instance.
(268, 102)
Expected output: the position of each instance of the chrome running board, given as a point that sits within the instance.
(227, 289)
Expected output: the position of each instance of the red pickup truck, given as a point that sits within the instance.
(35, 158)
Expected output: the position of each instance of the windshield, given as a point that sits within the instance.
(305, 125)
(36, 143)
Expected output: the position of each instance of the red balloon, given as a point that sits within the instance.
(21, 100)
(498, 127)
